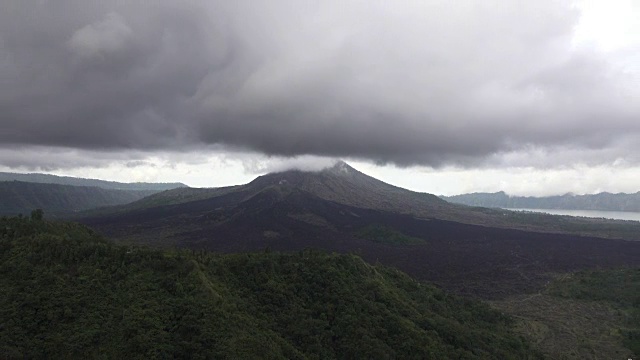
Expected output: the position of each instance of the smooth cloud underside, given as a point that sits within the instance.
(411, 82)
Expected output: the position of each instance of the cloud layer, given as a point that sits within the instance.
(432, 83)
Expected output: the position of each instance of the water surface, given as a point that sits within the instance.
(617, 215)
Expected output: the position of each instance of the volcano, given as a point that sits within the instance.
(472, 251)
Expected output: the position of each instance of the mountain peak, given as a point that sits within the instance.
(343, 184)
(340, 167)
(296, 175)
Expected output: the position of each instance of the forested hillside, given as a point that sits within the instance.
(17, 197)
(74, 181)
(592, 314)
(67, 293)
(619, 289)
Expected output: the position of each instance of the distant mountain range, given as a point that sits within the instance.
(74, 181)
(602, 201)
(61, 195)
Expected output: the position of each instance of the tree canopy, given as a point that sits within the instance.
(67, 292)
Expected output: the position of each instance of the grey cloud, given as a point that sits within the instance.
(408, 82)
(87, 75)
(37, 158)
(137, 163)
(101, 40)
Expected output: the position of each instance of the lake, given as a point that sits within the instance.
(618, 215)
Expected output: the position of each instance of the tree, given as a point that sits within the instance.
(37, 215)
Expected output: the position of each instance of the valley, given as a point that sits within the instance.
(63, 196)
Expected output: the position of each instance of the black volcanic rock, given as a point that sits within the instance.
(294, 210)
(340, 183)
(343, 184)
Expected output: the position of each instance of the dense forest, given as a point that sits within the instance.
(67, 292)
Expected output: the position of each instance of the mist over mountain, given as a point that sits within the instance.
(345, 185)
(340, 183)
(601, 201)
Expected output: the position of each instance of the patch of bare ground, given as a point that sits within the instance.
(567, 328)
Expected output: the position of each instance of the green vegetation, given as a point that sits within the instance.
(618, 288)
(67, 293)
(18, 197)
(386, 235)
(584, 315)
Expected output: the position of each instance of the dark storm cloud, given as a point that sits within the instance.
(99, 75)
(35, 158)
(411, 82)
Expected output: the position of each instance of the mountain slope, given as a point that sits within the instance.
(340, 183)
(163, 198)
(469, 259)
(345, 185)
(67, 293)
(602, 201)
(74, 181)
(22, 197)
(600, 308)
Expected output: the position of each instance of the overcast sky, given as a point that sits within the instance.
(530, 97)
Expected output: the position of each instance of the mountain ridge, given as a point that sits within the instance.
(342, 183)
(337, 183)
(17, 197)
(603, 201)
(345, 185)
(77, 181)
